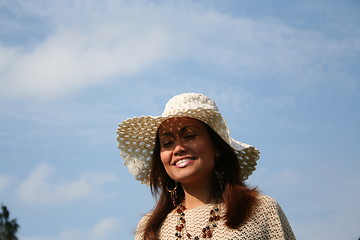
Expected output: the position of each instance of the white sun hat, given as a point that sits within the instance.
(136, 136)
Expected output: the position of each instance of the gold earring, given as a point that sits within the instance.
(172, 192)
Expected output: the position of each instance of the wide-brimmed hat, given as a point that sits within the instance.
(136, 136)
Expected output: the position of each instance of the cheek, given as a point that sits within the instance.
(209, 155)
(165, 157)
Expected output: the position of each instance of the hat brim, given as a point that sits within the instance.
(136, 137)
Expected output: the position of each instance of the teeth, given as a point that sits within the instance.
(184, 160)
(181, 161)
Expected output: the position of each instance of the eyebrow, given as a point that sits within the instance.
(182, 130)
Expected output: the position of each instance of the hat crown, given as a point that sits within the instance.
(187, 101)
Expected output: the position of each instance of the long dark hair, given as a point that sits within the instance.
(239, 199)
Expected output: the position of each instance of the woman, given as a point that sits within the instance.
(197, 171)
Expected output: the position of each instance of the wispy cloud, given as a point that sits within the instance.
(84, 48)
(102, 230)
(40, 189)
(70, 60)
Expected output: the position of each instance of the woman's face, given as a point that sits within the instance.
(186, 150)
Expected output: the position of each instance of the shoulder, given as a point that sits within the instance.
(268, 205)
(268, 212)
(263, 200)
(143, 220)
(141, 226)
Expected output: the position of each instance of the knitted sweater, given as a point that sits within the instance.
(268, 221)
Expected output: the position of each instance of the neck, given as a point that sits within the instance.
(196, 196)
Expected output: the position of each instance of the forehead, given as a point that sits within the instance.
(176, 124)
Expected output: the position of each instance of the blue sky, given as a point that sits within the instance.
(285, 75)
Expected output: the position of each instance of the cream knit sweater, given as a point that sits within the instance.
(267, 222)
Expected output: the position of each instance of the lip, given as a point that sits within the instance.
(184, 163)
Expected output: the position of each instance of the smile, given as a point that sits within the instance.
(183, 162)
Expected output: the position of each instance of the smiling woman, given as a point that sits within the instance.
(187, 151)
(198, 173)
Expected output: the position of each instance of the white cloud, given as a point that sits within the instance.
(86, 47)
(71, 59)
(100, 231)
(105, 229)
(5, 181)
(83, 50)
(40, 189)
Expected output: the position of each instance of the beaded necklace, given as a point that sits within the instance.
(207, 231)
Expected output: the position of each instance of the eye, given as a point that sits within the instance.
(166, 144)
(190, 136)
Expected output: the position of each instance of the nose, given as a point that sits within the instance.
(180, 149)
